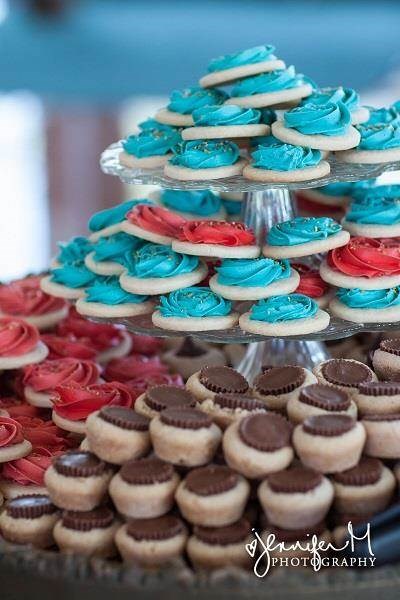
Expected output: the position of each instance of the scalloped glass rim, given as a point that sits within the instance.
(110, 165)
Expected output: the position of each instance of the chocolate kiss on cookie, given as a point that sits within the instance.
(210, 480)
(279, 380)
(32, 506)
(265, 432)
(99, 518)
(367, 472)
(146, 471)
(222, 380)
(295, 480)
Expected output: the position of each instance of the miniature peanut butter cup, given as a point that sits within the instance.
(146, 471)
(238, 401)
(99, 518)
(161, 397)
(31, 506)
(213, 479)
(223, 380)
(392, 346)
(78, 463)
(265, 432)
(347, 373)
(279, 380)
(223, 536)
(382, 417)
(190, 349)
(367, 472)
(380, 388)
(125, 418)
(157, 529)
(294, 480)
(185, 418)
(328, 425)
(296, 535)
(325, 397)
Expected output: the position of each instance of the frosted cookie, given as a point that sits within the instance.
(159, 397)
(225, 409)
(149, 149)
(194, 309)
(189, 357)
(311, 284)
(182, 103)
(253, 278)
(23, 299)
(329, 443)
(153, 224)
(108, 222)
(41, 380)
(29, 520)
(383, 435)
(25, 476)
(258, 445)
(212, 496)
(228, 121)
(211, 380)
(117, 434)
(77, 480)
(184, 436)
(218, 547)
(277, 385)
(152, 542)
(231, 67)
(108, 254)
(378, 143)
(383, 115)
(364, 263)
(20, 344)
(378, 397)
(295, 498)
(304, 236)
(367, 306)
(270, 89)
(106, 298)
(216, 239)
(333, 195)
(386, 359)
(13, 445)
(275, 162)
(68, 280)
(373, 217)
(344, 373)
(72, 251)
(365, 489)
(347, 96)
(144, 488)
(201, 160)
(157, 269)
(192, 204)
(321, 127)
(317, 399)
(292, 314)
(90, 533)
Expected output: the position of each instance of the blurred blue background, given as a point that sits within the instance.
(77, 74)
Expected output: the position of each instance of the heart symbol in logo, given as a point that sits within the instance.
(251, 548)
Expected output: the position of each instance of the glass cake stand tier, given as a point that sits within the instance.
(109, 163)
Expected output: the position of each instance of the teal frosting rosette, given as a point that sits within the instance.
(115, 247)
(205, 154)
(274, 81)
(302, 230)
(155, 260)
(321, 96)
(252, 272)
(238, 59)
(378, 116)
(374, 211)
(74, 250)
(198, 202)
(72, 275)
(194, 302)
(278, 309)
(152, 142)
(367, 299)
(229, 114)
(382, 136)
(278, 156)
(107, 290)
(332, 118)
(113, 215)
(193, 98)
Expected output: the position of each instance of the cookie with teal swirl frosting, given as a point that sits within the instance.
(383, 136)
(195, 98)
(378, 116)
(321, 96)
(264, 83)
(115, 247)
(332, 118)
(205, 154)
(106, 222)
(104, 297)
(238, 59)
(227, 115)
(151, 142)
(367, 306)
(375, 191)
(203, 203)
(370, 210)
(284, 157)
(72, 275)
(74, 250)
(153, 124)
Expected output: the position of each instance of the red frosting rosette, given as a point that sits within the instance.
(145, 344)
(29, 470)
(216, 232)
(311, 283)
(17, 337)
(49, 374)
(24, 298)
(68, 346)
(139, 385)
(365, 257)
(135, 365)
(78, 402)
(10, 432)
(100, 335)
(18, 408)
(156, 219)
(43, 434)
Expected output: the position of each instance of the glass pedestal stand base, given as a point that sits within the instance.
(260, 211)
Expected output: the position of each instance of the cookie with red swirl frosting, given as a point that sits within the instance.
(20, 344)
(41, 380)
(217, 239)
(364, 263)
(312, 285)
(68, 346)
(25, 475)
(153, 223)
(133, 366)
(25, 299)
(13, 445)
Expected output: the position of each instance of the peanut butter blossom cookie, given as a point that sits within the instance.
(293, 314)
(108, 221)
(108, 255)
(158, 269)
(194, 309)
(183, 103)
(150, 148)
(367, 306)
(229, 68)
(319, 126)
(374, 217)
(193, 204)
(204, 159)
(378, 143)
(303, 236)
(348, 96)
(106, 298)
(228, 121)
